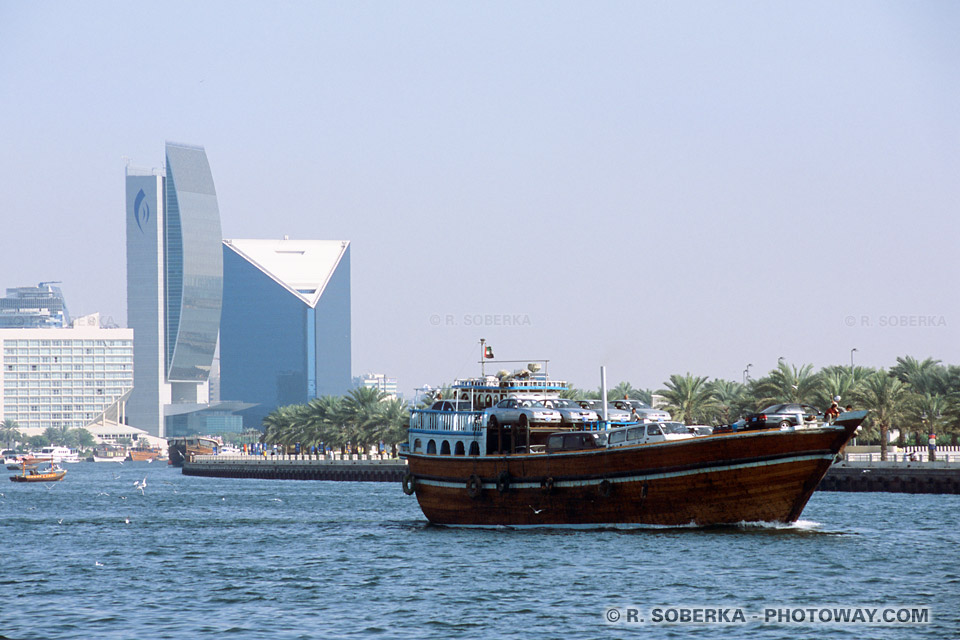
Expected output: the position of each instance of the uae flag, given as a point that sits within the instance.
(488, 352)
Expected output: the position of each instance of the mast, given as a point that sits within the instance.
(483, 357)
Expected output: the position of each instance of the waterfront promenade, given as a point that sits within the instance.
(356, 468)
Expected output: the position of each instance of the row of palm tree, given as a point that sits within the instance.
(363, 417)
(912, 396)
(11, 436)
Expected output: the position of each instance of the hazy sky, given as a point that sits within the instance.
(658, 187)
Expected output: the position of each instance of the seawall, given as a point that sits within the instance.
(361, 469)
(894, 477)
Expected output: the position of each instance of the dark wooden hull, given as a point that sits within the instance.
(747, 476)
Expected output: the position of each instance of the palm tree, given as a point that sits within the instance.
(393, 420)
(10, 432)
(931, 412)
(731, 400)
(361, 409)
(625, 389)
(280, 423)
(689, 398)
(908, 366)
(888, 400)
(324, 418)
(56, 435)
(927, 377)
(840, 381)
(787, 383)
(572, 393)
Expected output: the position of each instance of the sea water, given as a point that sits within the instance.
(96, 556)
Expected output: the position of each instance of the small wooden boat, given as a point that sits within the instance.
(30, 473)
(141, 454)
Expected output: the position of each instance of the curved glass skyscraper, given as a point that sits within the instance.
(174, 283)
(194, 265)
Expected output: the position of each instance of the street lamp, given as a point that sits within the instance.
(746, 373)
(851, 357)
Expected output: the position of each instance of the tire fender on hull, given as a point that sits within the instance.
(474, 486)
(503, 482)
(409, 483)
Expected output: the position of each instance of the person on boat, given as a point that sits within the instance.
(634, 416)
(834, 411)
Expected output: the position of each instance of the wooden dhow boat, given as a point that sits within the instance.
(140, 454)
(466, 469)
(185, 448)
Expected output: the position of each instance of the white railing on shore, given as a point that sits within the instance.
(330, 457)
(918, 456)
(428, 420)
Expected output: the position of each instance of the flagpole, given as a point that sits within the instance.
(483, 358)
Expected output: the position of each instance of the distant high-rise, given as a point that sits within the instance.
(34, 307)
(377, 381)
(285, 331)
(174, 283)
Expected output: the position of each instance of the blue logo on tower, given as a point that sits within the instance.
(141, 209)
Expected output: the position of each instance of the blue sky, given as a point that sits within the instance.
(658, 187)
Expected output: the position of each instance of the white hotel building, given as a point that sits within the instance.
(63, 377)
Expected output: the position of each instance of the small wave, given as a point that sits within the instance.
(799, 525)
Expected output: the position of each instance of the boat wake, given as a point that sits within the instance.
(799, 525)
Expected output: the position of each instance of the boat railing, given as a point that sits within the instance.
(431, 420)
(535, 383)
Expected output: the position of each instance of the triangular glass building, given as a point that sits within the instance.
(285, 329)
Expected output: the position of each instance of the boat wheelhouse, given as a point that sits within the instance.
(464, 419)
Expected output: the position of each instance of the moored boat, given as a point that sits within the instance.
(59, 455)
(108, 453)
(185, 448)
(466, 470)
(142, 453)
